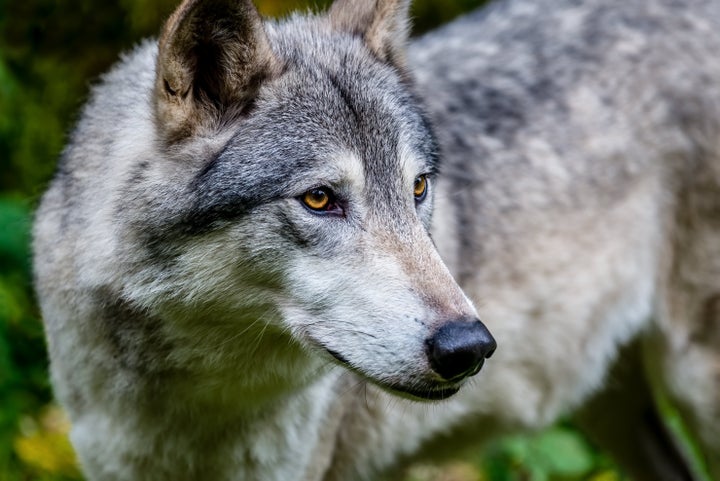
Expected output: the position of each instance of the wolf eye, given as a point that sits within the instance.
(321, 200)
(420, 188)
(316, 199)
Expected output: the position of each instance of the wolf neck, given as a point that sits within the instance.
(216, 368)
(269, 442)
(248, 386)
(261, 400)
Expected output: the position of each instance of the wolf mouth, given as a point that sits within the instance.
(416, 392)
(437, 394)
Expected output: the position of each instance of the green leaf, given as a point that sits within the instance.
(563, 452)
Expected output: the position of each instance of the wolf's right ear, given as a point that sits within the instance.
(213, 55)
(383, 24)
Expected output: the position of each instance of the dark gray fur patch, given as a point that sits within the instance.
(133, 336)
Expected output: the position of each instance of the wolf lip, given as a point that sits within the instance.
(436, 394)
(430, 394)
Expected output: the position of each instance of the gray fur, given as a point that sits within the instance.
(196, 311)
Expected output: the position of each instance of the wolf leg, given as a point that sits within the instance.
(684, 356)
(624, 421)
(686, 365)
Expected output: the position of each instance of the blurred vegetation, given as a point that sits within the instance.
(50, 53)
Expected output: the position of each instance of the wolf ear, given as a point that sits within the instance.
(384, 25)
(212, 57)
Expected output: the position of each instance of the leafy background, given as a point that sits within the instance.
(51, 51)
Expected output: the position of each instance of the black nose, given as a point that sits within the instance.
(459, 348)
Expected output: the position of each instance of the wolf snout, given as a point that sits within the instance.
(459, 348)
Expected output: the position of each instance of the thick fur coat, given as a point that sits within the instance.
(556, 160)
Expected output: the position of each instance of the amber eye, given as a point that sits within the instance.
(420, 188)
(317, 199)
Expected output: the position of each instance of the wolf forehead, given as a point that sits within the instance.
(332, 98)
(333, 94)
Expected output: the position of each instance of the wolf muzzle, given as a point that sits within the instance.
(459, 348)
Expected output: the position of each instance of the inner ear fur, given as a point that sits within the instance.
(212, 57)
(383, 24)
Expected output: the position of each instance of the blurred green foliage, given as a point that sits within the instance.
(51, 51)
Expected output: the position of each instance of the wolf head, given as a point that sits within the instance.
(294, 195)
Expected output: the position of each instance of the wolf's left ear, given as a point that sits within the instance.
(212, 57)
(383, 24)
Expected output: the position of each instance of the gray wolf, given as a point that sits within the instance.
(251, 258)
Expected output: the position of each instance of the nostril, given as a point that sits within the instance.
(459, 348)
